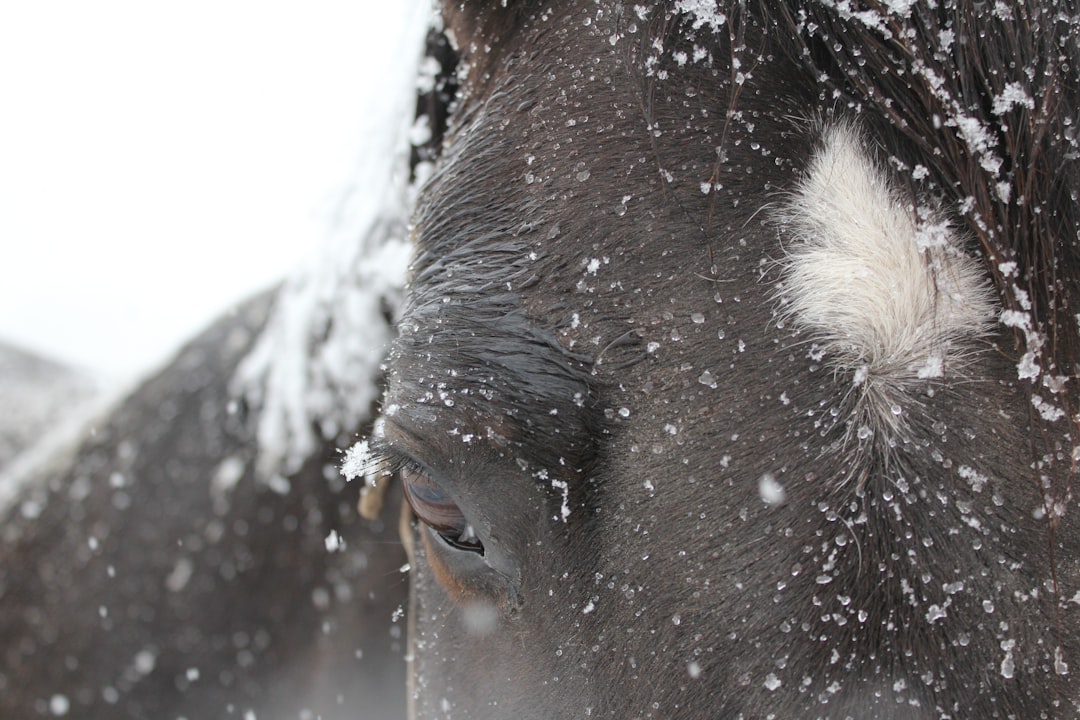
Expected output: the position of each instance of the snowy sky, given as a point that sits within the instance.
(161, 161)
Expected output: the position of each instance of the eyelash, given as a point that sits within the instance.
(385, 460)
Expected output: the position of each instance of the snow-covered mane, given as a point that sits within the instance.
(314, 374)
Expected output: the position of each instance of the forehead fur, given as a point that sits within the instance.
(996, 144)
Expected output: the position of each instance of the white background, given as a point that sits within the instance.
(160, 162)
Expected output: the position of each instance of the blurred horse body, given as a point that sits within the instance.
(152, 574)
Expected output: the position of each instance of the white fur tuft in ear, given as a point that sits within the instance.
(882, 288)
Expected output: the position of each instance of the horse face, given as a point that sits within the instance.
(695, 419)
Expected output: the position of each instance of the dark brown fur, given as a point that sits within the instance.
(565, 328)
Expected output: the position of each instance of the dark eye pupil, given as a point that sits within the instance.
(435, 509)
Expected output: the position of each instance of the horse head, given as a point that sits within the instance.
(737, 373)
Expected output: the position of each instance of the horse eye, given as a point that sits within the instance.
(435, 509)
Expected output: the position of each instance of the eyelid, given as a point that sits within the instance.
(465, 566)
